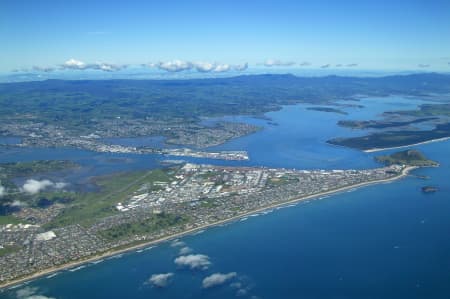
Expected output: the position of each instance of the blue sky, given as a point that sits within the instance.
(394, 35)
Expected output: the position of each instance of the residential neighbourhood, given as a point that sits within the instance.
(195, 196)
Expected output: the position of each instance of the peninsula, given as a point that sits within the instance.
(394, 139)
(408, 157)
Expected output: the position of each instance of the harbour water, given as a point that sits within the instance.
(381, 241)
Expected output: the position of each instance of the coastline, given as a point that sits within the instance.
(113, 252)
(372, 150)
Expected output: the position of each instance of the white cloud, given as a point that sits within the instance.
(107, 67)
(199, 66)
(30, 293)
(2, 191)
(74, 64)
(204, 66)
(241, 67)
(241, 292)
(33, 186)
(220, 68)
(305, 63)
(177, 243)
(59, 185)
(242, 289)
(17, 203)
(160, 280)
(185, 250)
(26, 292)
(325, 66)
(193, 261)
(27, 70)
(169, 66)
(236, 285)
(276, 62)
(43, 69)
(150, 65)
(174, 65)
(351, 65)
(217, 279)
(423, 65)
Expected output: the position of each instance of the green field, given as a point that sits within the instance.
(6, 219)
(88, 207)
(8, 249)
(142, 227)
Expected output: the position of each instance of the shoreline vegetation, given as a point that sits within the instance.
(381, 124)
(407, 157)
(393, 139)
(16, 282)
(372, 150)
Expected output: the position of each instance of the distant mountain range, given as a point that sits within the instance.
(62, 100)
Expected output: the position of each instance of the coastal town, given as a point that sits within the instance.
(179, 133)
(45, 136)
(192, 198)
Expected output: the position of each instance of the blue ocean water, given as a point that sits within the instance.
(382, 241)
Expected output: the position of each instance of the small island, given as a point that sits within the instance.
(429, 189)
(327, 109)
(381, 124)
(407, 157)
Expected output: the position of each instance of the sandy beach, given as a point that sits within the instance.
(113, 252)
(372, 150)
